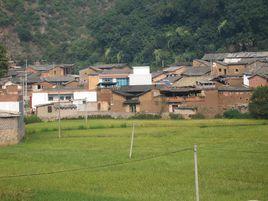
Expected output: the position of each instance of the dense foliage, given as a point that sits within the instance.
(3, 61)
(258, 106)
(134, 31)
(235, 114)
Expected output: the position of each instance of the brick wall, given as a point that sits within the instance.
(257, 81)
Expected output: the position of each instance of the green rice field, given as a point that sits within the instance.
(91, 162)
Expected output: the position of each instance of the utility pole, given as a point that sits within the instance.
(59, 116)
(132, 141)
(86, 110)
(26, 84)
(196, 173)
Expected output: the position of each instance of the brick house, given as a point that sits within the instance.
(258, 80)
(84, 73)
(209, 102)
(137, 99)
(220, 68)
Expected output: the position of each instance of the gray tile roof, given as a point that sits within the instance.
(214, 56)
(197, 71)
(234, 89)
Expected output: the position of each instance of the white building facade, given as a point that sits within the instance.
(141, 76)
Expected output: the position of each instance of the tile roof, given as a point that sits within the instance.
(59, 79)
(214, 56)
(247, 54)
(234, 89)
(197, 71)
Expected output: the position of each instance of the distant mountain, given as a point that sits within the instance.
(154, 32)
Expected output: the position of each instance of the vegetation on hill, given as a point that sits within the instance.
(3, 60)
(133, 31)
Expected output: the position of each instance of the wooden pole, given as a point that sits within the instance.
(59, 116)
(132, 141)
(86, 110)
(196, 173)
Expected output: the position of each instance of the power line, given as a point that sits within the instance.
(92, 168)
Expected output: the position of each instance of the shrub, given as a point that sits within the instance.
(146, 116)
(235, 114)
(218, 116)
(175, 116)
(32, 119)
(198, 116)
(258, 106)
(100, 117)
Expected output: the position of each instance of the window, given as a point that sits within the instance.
(38, 86)
(55, 72)
(122, 82)
(236, 70)
(219, 69)
(61, 97)
(133, 108)
(107, 79)
(50, 98)
(68, 97)
(225, 71)
(49, 109)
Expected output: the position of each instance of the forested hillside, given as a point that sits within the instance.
(47, 29)
(133, 31)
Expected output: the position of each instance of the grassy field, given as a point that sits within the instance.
(90, 162)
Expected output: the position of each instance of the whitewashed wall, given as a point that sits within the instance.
(89, 96)
(246, 80)
(10, 106)
(141, 76)
(39, 99)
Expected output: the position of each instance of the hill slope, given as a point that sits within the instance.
(133, 31)
(46, 29)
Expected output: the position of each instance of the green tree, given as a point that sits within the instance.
(258, 106)
(3, 61)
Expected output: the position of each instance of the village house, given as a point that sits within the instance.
(210, 102)
(137, 99)
(86, 72)
(51, 70)
(193, 75)
(11, 116)
(76, 95)
(258, 80)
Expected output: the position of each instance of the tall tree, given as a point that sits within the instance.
(3, 61)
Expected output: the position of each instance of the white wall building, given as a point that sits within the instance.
(10, 106)
(50, 96)
(141, 76)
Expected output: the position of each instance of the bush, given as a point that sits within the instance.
(32, 119)
(175, 116)
(218, 116)
(146, 116)
(235, 114)
(100, 117)
(198, 116)
(258, 106)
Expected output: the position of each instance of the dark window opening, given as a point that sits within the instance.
(49, 109)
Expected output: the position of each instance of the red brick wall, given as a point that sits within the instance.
(257, 81)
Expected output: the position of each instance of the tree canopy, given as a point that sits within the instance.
(258, 106)
(3, 61)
